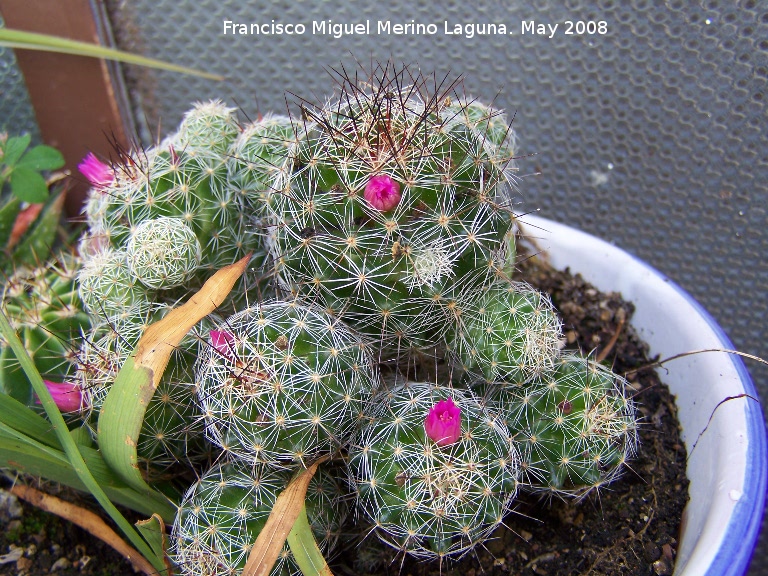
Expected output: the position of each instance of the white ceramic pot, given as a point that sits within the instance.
(722, 423)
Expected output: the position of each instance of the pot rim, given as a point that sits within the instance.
(740, 534)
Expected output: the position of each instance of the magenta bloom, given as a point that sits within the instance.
(99, 174)
(443, 423)
(382, 192)
(223, 342)
(68, 397)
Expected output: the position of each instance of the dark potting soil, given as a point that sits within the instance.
(36, 543)
(630, 527)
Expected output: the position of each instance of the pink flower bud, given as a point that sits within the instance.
(382, 192)
(223, 342)
(68, 397)
(99, 174)
(443, 423)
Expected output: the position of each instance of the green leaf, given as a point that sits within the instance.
(8, 432)
(153, 531)
(14, 148)
(42, 158)
(304, 547)
(53, 465)
(28, 185)
(25, 420)
(82, 436)
(8, 214)
(71, 449)
(44, 42)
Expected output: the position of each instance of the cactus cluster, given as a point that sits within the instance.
(160, 221)
(383, 238)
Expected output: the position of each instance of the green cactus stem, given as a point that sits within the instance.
(281, 382)
(428, 497)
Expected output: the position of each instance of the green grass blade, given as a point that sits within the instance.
(23, 419)
(70, 448)
(37, 432)
(44, 42)
(9, 432)
(304, 547)
(53, 465)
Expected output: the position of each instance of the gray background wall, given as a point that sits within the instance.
(16, 113)
(653, 136)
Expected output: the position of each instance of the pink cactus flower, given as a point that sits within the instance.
(223, 342)
(100, 175)
(67, 396)
(382, 192)
(443, 423)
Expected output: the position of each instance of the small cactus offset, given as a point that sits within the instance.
(491, 123)
(163, 253)
(107, 287)
(283, 383)
(575, 425)
(434, 471)
(380, 326)
(510, 333)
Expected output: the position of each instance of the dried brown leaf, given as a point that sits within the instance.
(162, 337)
(284, 513)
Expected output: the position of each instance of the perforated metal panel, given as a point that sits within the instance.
(16, 113)
(653, 135)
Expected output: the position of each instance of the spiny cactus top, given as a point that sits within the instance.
(255, 158)
(208, 127)
(391, 200)
(490, 122)
(426, 495)
(282, 382)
